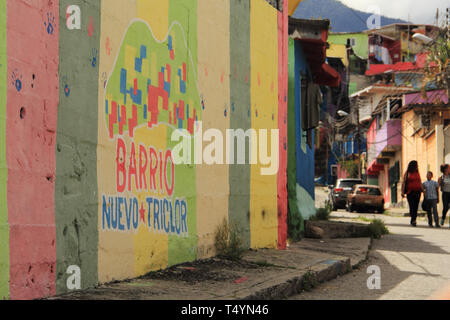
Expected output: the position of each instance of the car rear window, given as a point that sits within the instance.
(369, 191)
(348, 184)
(374, 192)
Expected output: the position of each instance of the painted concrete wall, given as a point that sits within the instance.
(32, 36)
(338, 51)
(87, 176)
(362, 42)
(415, 147)
(76, 145)
(300, 156)
(4, 227)
(425, 149)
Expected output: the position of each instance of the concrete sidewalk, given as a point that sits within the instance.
(261, 274)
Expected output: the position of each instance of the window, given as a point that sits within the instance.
(334, 170)
(374, 192)
(348, 183)
(362, 190)
(369, 191)
(352, 42)
(277, 4)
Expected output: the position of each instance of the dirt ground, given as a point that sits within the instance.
(204, 270)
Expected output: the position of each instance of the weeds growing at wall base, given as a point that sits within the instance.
(228, 242)
(322, 213)
(377, 228)
(309, 280)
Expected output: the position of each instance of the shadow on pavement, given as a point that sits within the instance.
(412, 267)
(396, 281)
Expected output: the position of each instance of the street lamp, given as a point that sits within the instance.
(423, 38)
(342, 113)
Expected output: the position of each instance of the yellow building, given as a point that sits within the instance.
(424, 126)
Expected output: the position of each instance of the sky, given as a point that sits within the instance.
(420, 11)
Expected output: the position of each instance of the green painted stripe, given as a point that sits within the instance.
(76, 202)
(4, 227)
(185, 12)
(240, 118)
(295, 221)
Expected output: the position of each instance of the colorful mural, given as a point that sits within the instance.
(88, 177)
(152, 90)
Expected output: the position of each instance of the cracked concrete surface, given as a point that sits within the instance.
(413, 262)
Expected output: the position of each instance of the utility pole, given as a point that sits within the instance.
(407, 57)
(437, 17)
(359, 145)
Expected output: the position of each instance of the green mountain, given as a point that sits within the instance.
(342, 17)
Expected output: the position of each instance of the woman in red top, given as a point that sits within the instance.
(412, 187)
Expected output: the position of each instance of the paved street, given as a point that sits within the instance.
(414, 263)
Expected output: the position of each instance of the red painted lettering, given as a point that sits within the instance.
(169, 189)
(120, 165)
(160, 172)
(132, 168)
(142, 166)
(153, 168)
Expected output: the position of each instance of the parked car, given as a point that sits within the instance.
(365, 198)
(338, 193)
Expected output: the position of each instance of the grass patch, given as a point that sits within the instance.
(364, 219)
(377, 228)
(309, 280)
(228, 242)
(322, 214)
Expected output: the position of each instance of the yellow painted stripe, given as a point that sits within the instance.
(264, 115)
(213, 61)
(115, 252)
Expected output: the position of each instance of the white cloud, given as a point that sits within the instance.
(419, 11)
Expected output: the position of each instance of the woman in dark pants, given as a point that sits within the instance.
(444, 183)
(412, 187)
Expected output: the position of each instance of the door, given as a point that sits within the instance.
(447, 144)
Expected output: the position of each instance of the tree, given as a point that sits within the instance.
(437, 70)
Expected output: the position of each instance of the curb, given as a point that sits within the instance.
(361, 262)
(318, 273)
(279, 286)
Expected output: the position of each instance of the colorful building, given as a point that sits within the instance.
(426, 134)
(355, 59)
(394, 43)
(377, 105)
(357, 40)
(307, 72)
(94, 93)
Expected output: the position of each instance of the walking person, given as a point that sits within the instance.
(412, 187)
(431, 197)
(444, 183)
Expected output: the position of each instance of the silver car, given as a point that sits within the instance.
(338, 193)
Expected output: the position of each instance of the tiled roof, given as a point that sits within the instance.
(382, 68)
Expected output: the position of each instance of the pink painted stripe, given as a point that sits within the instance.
(33, 55)
(282, 124)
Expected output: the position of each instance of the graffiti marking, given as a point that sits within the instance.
(50, 23)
